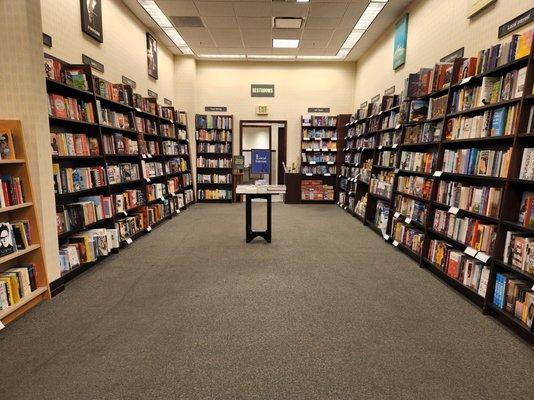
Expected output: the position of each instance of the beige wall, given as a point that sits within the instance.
(435, 29)
(123, 51)
(22, 97)
(298, 85)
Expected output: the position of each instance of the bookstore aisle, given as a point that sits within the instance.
(198, 314)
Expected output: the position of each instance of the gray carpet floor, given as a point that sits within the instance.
(326, 311)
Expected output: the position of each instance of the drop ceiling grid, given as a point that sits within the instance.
(244, 26)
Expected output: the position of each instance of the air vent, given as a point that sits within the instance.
(287, 22)
(187, 22)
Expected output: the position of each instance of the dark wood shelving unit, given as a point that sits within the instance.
(353, 190)
(96, 130)
(215, 126)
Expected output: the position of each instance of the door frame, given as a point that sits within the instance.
(282, 142)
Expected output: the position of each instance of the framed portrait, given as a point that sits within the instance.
(476, 6)
(92, 18)
(400, 42)
(152, 55)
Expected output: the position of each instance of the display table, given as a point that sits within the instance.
(259, 192)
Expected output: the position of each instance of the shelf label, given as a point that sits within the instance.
(437, 174)
(313, 162)
(309, 149)
(149, 228)
(395, 243)
(397, 214)
(408, 220)
(482, 257)
(125, 213)
(308, 174)
(306, 139)
(357, 176)
(334, 139)
(177, 211)
(453, 210)
(397, 126)
(465, 80)
(149, 155)
(324, 149)
(386, 237)
(2, 326)
(396, 170)
(350, 193)
(330, 162)
(162, 198)
(470, 251)
(327, 174)
(129, 241)
(317, 138)
(394, 146)
(147, 179)
(380, 147)
(143, 155)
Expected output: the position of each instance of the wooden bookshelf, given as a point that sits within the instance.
(353, 188)
(212, 133)
(33, 253)
(166, 123)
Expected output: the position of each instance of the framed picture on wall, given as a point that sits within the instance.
(476, 6)
(92, 18)
(400, 42)
(152, 55)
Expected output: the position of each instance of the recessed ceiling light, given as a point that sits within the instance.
(303, 1)
(285, 43)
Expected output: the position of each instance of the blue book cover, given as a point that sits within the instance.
(498, 290)
(499, 121)
(473, 154)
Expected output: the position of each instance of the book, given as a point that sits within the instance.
(527, 164)
(7, 149)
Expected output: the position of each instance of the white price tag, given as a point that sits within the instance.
(394, 146)
(306, 138)
(313, 162)
(397, 214)
(470, 251)
(125, 213)
(308, 174)
(327, 174)
(148, 229)
(330, 163)
(386, 237)
(482, 257)
(149, 155)
(465, 80)
(143, 155)
(147, 179)
(398, 126)
(350, 193)
(309, 149)
(380, 147)
(454, 210)
(324, 149)
(129, 241)
(395, 243)
(317, 138)
(177, 211)
(437, 174)
(2, 326)
(345, 207)
(396, 170)
(408, 220)
(162, 198)
(333, 139)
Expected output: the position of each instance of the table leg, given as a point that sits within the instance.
(248, 227)
(268, 232)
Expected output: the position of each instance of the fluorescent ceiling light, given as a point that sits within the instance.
(366, 19)
(161, 19)
(228, 56)
(319, 57)
(303, 1)
(286, 43)
(270, 56)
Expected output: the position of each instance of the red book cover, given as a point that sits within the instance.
(58, 106)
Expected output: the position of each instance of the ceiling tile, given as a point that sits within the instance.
(322, 23)
(311, 52)
(314, 43)
(282, 9)
(254, 22)
(206, 50)
(227, 37)
(197, 37)
(219, 22)
(285, 52)
(353, 13)
(232, 50)
(287, 33)
(327, 10)
(252, 9)
(177, 7)
(257, 38)
(317, 33)
(261, 51)
(215, 8)
(339, 37)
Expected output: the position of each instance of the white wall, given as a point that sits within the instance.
(298, 85)
(435, 28)
(123, 51)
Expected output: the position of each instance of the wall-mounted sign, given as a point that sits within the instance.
(92, 18)
(257, 90)
(319, 110)
(516, 23)
(363, 105)
(128, 81)
(389, 91)
(375, 99)
(92, 63)
(262, 110)
(167, 102)
(47, 40)
(239, 164)
(215, 108)
(455, 54)
(476, 6)
(151, 93)
(400, 42)
(260, 163)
